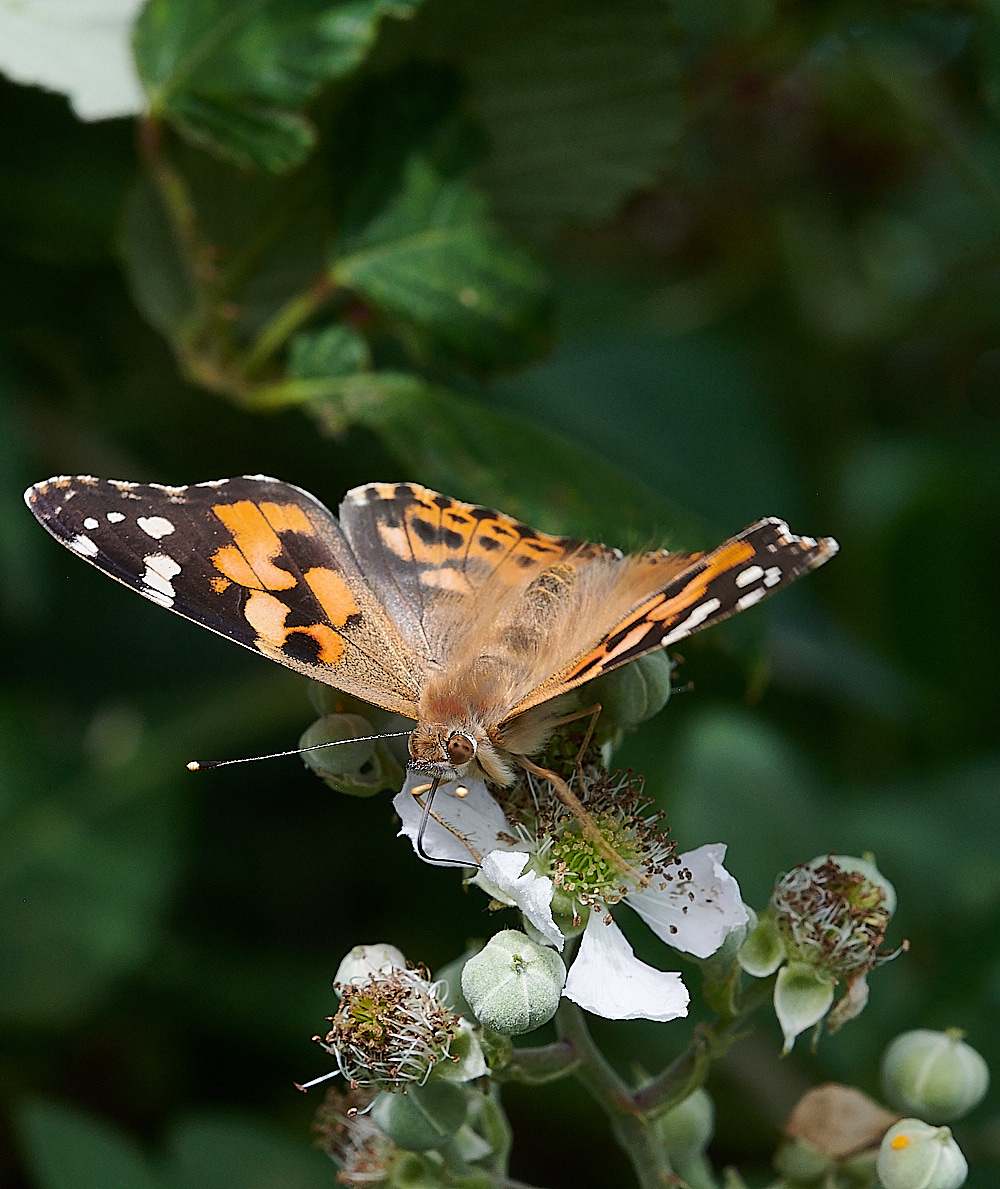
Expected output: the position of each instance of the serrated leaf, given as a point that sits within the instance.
(582, 110)
(455, 284)
(67, 1149)
(234, 75)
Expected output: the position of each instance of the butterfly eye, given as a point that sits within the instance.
(461, 749)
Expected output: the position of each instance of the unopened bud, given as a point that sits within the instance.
(512, 984)
(915, 1155)
(799, 1162)
(360, 769)
(366, 962)
(934, 1075)
(635, 692)
(688, 1127)
(424, 1117)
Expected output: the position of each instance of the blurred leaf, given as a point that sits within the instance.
(487, 456)
(159, 278)
(223, 1153)
(89, 835)
(67, 1149)
(456, 284)
(582, 109)
(234, 74)
(336, 350)
(732, 778)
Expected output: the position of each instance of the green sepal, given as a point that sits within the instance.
(423, 1118)
(802, 997)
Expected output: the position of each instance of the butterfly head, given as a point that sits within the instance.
(453, 749)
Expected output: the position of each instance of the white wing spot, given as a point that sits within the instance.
(90, 480)
(116, 517)
(122, 484)
(212, 483)
(84, 545)
(159, 570)
(91, 523)
(155, 526)
(749, 575)
(748, 600)
(772, 575)
(697, 616)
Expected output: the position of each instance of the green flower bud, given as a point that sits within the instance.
(802, 997)
(512, 984)
(687, 1128)
(359, 769)
(366, 962)
(424, 1117)
(635, 692)
(934, 1075)
(915, 1155)
(764, 950)
(801, 1163)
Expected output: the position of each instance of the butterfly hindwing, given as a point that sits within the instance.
(428, 557)
(711, 587)
(254, 559)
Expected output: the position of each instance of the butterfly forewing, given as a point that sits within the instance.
(254, 559)
(710, 587)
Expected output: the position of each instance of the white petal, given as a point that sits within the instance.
(697, 914)
(532, 893)
(609, 980)
(476, 820)
(79, 47)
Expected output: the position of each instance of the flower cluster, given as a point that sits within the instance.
(392, 1028)
(538, 858)
(825, 923)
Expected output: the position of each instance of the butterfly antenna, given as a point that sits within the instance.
(207, 765)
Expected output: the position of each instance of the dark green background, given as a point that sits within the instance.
(773, 235)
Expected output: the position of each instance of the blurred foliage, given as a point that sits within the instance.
(641, 271)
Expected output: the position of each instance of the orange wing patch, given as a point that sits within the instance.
(248, 561)
(267, 614)
(333, 593)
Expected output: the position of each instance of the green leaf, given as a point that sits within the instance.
(233, 75)
(582, 110)
(336, 350)
(488, 456)
(226, 1153)
(67, 1149)
(455, 284)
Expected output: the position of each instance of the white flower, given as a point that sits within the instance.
(81, 48)
(691, 902)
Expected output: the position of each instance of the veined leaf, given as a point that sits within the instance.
(233, 75)
(454, 283)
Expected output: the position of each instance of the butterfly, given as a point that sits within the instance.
(456, 616)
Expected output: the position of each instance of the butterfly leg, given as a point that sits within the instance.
(587, 826)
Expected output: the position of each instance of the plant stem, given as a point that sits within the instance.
(687, 1072)
(541, 1064)
(637, 1135)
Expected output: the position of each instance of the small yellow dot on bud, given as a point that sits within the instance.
(901, 1141)
(461, 790)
